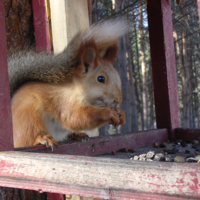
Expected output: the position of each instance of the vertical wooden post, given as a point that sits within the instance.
(163, 65)
(67, 18)
(55, 196)
(43, 43)
(6, 134)
(199, 9)
(41, 26)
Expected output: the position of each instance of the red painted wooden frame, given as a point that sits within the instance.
(41, 26)
(100, 177)
(187, 134)
(163, 65)
(167, 113)
(199, 8)
(6, 134)
(55, 196)
(43, 43)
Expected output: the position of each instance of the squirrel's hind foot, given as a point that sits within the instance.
(47, 140)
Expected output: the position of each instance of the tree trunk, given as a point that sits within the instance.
(19, 24)
(143, 67)
(185, 73)
(138, 84)
(179, 61)
(90, 11)
(134, 116)
(196, 98)
(151, 101)
(121, 65)
(94, 11)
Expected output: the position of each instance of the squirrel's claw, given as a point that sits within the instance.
(46, 143)
(47, 140)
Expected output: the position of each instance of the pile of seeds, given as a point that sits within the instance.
(179, 151)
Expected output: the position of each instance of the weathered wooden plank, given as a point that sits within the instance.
(67, 18)
(188, 134)
(163, 65)
(6, 135)
(107, 144)
(98, 177)
(41, 26)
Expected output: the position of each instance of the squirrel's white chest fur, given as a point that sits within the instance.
(59, 133)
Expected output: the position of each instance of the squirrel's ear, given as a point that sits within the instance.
(88, 56)
(111, 53)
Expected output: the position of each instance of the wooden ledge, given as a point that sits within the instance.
(188, 134)
(99, 177)
(101, 145)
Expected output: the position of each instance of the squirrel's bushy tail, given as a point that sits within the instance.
(26, 66)
(106, 33)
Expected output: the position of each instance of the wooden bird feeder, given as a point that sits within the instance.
(75, 168)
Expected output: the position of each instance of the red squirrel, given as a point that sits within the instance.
(76, 90)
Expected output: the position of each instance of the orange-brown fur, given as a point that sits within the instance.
(78, 103)
(35, 99)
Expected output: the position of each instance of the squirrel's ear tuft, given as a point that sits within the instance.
(111, 53)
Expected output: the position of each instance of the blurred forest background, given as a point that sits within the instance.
(134, 60)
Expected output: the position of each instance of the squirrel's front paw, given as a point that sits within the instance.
(121, 114)
(47, 140)
(111, 116)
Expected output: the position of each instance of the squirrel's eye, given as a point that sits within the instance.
(101, 79)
